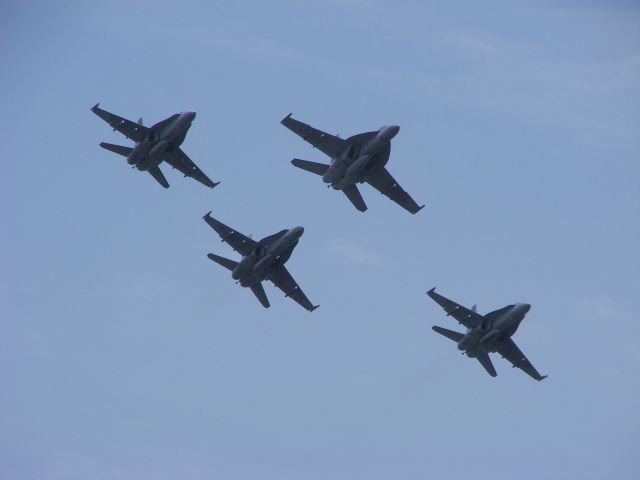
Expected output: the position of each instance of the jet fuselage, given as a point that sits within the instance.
(163, 138)
(493, 330)
(346, 170)
(255, 267)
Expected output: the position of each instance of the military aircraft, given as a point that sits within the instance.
(263, 260)
(487, 333)
(357, 159)
(155, 145)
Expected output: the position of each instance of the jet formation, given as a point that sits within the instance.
(487, 333)
(263, 260)
(155, 144)
(357, 159)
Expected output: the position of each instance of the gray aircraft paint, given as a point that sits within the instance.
(163, 137)
(263, 260)
(154, 145)
(487, 333)
(358, 159)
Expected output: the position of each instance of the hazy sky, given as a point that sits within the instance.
(126, 354)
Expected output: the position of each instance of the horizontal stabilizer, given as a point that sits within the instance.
(258, 291)
(119, 149)
(353, 194)
(450, 334)
(225, 262)
(313, 167)
(486, 363)
(159, 176)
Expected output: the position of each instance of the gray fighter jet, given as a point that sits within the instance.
(155, 145)
(263, 260)
(358, 159)
(487, 333)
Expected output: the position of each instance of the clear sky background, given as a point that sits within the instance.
(126, 354)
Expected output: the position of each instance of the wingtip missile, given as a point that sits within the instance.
(288, 116)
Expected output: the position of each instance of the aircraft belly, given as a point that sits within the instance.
(489, 338)
(148, 162)
(379, 158)
(250, 280)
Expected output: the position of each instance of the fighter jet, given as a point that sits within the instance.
(155, 145)
(358, 159)
(487, 333)
(263, 260)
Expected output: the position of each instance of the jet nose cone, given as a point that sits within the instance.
(190, 116)
(388, 132)
(298, 231)
(525, 307)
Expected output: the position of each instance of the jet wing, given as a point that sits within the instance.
(239, 242)
(129, 129)
(381, 180)
(511, 352)
(325, 142)
(463, 315)
(282, 279)
(178, 159)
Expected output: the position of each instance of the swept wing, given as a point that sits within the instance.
(179, 160)
(509, 350)
(463, 315)
(129, 129)
(325, 142)
(381, 180)
(282, 279)
(239, 242)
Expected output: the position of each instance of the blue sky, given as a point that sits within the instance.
(125, 353)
